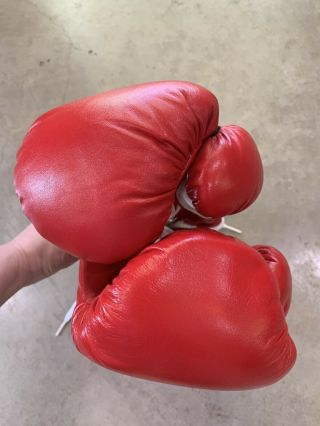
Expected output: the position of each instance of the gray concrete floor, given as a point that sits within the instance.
(261, 58)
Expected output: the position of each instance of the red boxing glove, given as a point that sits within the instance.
(197, 308)
(98, 177)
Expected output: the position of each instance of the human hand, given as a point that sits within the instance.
(26, 259)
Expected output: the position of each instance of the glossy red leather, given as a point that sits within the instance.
(98, 176)
(197, 308)
(227, 174)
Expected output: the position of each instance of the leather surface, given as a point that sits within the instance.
(197, 308)
(227, 175)
(98, 176)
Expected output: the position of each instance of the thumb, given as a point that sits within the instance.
(278, 265)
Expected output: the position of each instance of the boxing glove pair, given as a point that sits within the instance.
(101, 177)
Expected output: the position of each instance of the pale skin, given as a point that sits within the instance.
(27, 259)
